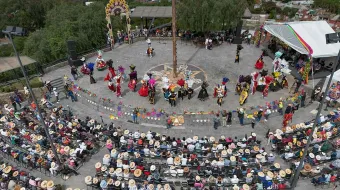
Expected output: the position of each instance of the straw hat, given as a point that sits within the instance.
(111, 171)
(107, 156)
(249, 174)
(50, 184)
(232, 158)
(95, 180)
(245, 187)
(113, 151)
(259, 156)
(186, 169)
(15, 174)
(132, 165)
(261, 174)
(311, 155)
(256, 148)
(126, 132)
(288, 171)
(270, 174)
(119, 170)
(153, 168)
(197, 178)
(298, 143)
(132, 182)
(137, 173)
(8, 169)
(110, 181)
(307, 167)
(104, 168)
(195, 138)
(119, 161)
(240, 151)
(282, 173)
(142, 135)
(235, 187)
(277, 165)
(223, 137)
(212, 139)
(157, 144)
(159, 186)
(22, 188)
(3, 166)
(151, 187)
(253, 134)
(60, 126)
(247, 151)
(117, 183)
(43, 184)
(126, 171)
(177, 160)
(239, 144)
(167, 187)
(98, 165)
(115, 134)
(318, 157)
(66, 148)
(224, 153)
(88, 180)
(290, 144)
(229, 151)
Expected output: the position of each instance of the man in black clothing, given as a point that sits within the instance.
(74, 72)
(298, 84)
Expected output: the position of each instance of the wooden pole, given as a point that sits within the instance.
(174, 48)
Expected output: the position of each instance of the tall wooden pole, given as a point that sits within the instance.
(174, 49)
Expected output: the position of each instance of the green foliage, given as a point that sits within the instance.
(34, 83)
(331, 5)
(6, 50)
(84, 24)
(207, 15)
(290, 12)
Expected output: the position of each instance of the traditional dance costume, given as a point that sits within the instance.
(190, 90)
(118, 81)
(203, 94)
(152, 93)
(254, 82)
(133, 78)
(259, 63)
(219, 96)
(100, 63)
(112, 87)
(284, 82)
(224, 86)
(172, 98)
(143, 91)
(265, 91)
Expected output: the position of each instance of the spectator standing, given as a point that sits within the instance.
(74, 72)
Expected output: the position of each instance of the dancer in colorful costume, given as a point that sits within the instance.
(100, 63)
(144, 91)
(111, 86)
(224, 86)
(259, 63)
(133, 78)
(118, 82)
(254, 82)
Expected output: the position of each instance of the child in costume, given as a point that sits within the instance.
(133, 78)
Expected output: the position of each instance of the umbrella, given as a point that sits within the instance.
(90, 66)
(336, 163)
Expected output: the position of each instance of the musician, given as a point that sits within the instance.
(172, 98)
(189, 88)
(152, 93)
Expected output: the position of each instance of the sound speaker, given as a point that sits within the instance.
(238, 39)
(76, 62)
(71, 49)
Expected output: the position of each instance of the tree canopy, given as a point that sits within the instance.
(207, 15)
(84, 24)
(331, 5)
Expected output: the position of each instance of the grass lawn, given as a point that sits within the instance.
(34, 82)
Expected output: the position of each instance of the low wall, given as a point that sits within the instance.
(4, 97)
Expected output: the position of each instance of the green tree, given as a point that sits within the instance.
(331, 5)
(84, 24)
(207, 15)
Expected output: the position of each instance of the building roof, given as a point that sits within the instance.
(152, 12)
(9, 63)
(247, 13)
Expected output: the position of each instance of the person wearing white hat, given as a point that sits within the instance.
(316, 170)
(56, 94)
(234, 180)
(54, 168)
(271, 158)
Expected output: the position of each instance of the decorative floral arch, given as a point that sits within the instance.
(116, 7)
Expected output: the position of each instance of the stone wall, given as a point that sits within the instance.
(4, 96)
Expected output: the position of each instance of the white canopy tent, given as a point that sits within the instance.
(306, 37)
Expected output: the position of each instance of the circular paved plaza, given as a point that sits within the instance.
(207, 65)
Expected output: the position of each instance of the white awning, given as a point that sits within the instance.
(306, 37)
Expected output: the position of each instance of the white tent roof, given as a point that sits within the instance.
(307, 37)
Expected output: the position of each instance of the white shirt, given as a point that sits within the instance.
(137, 135)
(106, 161)
(170, 161)
(55, 93)
(234, 180)
(149, 136)
(220, 146)
(184, 161)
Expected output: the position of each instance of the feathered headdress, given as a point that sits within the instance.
(121, 69)
(225, 80)
(100, 53)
